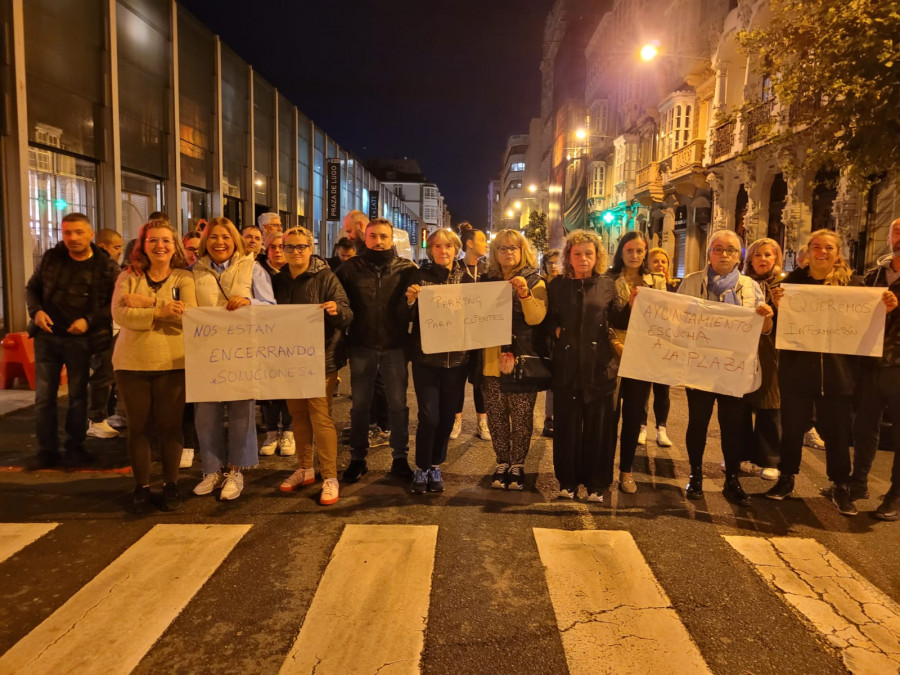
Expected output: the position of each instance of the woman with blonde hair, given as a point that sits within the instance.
(583, 309)
(515, 373)
(223, 276)
(149, 301)
(824, 382)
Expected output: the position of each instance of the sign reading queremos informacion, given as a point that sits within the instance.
(458, 317)
(679, 340)
(831, 319)
(255, 352)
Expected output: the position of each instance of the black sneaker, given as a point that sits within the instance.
(400, 468)
(734, 492)
(840, 496)
(858, 490)
(694, 488)
(515, 478)
(435, 479)
(890, 507)
(782, 489)
(171, 498)
(419, 483)
(354, 470)
(140, 501)
(498, 479)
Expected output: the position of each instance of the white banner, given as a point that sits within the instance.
(257, 352)
(679, 340)
(831, 319)
(458, 317)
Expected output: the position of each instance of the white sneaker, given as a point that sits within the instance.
(595, 497)
(270, 444)
(330, 491)
(483, 432)
(811, 439)
(662, 438)
(297, 479)
(116, 421)
(642, 437)
(770, 474)
(233, 485)
(187, 458)
(210, 482)
(566, 494)
(457, 428)
(101, 430)
(287, 446)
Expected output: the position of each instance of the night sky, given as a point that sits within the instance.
(444, 82)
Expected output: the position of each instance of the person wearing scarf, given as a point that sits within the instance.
(720, 281)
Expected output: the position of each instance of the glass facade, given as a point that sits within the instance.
(263, 144)
(235, 123)
(197, 101)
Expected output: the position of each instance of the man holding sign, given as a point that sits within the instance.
(721, 282)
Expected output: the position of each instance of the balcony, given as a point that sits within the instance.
(648, 184)
(758, 121)
(723, 140)
(687, 158)
(645, 175)
(803, 111)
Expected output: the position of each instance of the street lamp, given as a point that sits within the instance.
(649, 51)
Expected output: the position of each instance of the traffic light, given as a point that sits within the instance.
(608, 217)
(424, 236)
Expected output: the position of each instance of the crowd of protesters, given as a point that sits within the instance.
(570, 315)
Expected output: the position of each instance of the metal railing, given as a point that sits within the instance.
(758, 121)
(723, 139)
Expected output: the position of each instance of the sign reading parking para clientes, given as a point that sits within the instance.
(679, 340)
(458, 317)
(255, 352)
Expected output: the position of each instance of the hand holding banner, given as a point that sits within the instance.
(260, 351)
(679, 340)
(831, 319)
(459, 317)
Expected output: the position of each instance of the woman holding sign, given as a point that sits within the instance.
(720, 281)
(630, 271)
(150, 298)
(512, 376)
(440, 379)
(584, 307)
(307, 280)
(825, 382)
(224, 278)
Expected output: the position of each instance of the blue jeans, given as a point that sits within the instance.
(365, 363)
(238, 447)
(51, 353)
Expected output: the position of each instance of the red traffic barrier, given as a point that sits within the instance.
(17, 360)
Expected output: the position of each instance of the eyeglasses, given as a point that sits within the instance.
(192, 249)
(277, 246)
(731, 250)
(508, 249)
(299, 248)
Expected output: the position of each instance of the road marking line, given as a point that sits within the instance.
(108, 625)
(371, 607)
(16, 536)
(612, 614)
(851, 613)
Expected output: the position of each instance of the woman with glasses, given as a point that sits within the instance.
(305, 280)
(510, 392)
(149, 301)
(824, 382)
(629, 271)
(224, 278)
(721, 281)
(440, 378)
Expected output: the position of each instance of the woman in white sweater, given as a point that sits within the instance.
(150, 298)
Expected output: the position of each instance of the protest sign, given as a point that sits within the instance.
(679, 340)
(255, 352)
(831, 319)
(457, 317)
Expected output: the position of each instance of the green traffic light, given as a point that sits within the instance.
(60, 204)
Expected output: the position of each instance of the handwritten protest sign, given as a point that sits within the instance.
(831, 319)
(680, 340)
(260, 351)
(457, 317)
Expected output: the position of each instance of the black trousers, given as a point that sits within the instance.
(661, 404)
(877, 388)
(761, 436)
(584, 440)
(437, 395)
(633, 396)
(833, 421)
(731, 420)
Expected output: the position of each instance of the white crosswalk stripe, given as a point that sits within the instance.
(851, 614)
(16, 536)
(110, 624)
(613, 615)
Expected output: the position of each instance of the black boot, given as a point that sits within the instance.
(733, 492)
(140, 502)
(841, 498)
(694, 489)
(783, 488)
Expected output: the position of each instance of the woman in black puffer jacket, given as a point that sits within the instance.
(439, 378)
(583, 309)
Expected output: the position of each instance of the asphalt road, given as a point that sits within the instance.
(488, 588)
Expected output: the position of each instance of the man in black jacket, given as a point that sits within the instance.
(376, 281)
(879, 385)
(68, 299)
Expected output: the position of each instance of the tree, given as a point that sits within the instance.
(836, 67)
(536, 230)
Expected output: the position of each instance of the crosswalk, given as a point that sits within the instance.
(376, 593)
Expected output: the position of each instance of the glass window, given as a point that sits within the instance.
(235, 122)
(263, 140)
(302, 165)
(141, 196)
(318, 164)
(197, 98)
(286, 149)
(194, 208)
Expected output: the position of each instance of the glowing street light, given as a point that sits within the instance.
(649, 51)
(517, 204)
(509, 213)
(580, 133)
(532, 188)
